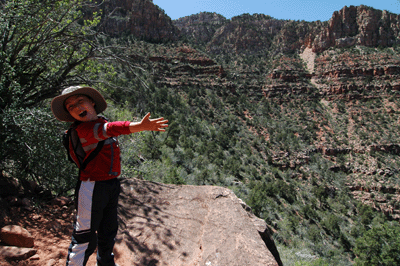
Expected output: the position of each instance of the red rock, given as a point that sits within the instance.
(15, 235)
(190, 225)
(16, 253)
(141, 18)
(61, 201)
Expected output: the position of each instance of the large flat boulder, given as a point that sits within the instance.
(188, 225)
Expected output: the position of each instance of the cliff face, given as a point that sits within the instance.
(200, 28)
(249, 34)
(354, 25)
(355, 71)
(359, 25)
(141, 18)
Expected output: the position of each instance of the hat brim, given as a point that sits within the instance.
(58, 108)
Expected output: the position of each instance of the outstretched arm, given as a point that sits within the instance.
(156, 124)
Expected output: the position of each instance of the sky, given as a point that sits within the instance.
(308, 10)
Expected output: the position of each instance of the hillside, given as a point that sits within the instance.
(307, 110)
(269, 63)
(299, 119)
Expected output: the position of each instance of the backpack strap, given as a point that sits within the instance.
(72, 143)
(78, 153)
(65, 142)
(93, 154)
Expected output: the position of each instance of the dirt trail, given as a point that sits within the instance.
(51, 227)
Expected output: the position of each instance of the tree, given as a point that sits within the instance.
(379, 246)
(44, 46)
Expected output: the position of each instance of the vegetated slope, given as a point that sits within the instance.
(311, 145)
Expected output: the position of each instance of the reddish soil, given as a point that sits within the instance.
(51, 229)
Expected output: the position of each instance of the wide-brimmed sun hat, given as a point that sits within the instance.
(61, 113)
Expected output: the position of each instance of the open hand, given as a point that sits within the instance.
(156, 124)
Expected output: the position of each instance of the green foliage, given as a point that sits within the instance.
(331, 223)
(366, 214)
(262, 194)
(379, 246)
(301, 257)
(32, 150)
(43, 46)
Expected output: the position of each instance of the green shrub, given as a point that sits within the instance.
(32, 150)
(379, 246)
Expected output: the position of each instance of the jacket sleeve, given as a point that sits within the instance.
(93, 132)
(117, 128)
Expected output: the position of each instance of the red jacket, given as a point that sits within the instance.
(107, 164)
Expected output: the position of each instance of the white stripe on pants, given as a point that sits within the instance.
(83, 222)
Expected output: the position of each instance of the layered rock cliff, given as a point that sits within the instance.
(278, 41)
(354, 25)
(359, 25)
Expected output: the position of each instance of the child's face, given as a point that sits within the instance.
(81, 108)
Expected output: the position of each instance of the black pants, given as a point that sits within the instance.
(96, 222)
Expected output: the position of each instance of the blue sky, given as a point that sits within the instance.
(308, 10)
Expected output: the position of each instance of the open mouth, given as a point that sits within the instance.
(83, 114)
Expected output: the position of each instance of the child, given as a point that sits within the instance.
(98, 187)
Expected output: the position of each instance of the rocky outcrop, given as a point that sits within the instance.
(245, 34)
(358, 25)
(17, 243)
(16, 253)
(200, 28)
(14, 235)
(389, 148)
(140, 18)
(356, 72)
(378, 196)
(182, 66)
(190, 225)
(363, 72)
(288, 76)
